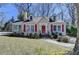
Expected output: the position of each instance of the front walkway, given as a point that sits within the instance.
(67, 45)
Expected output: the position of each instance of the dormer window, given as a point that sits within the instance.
(31, 18)
(54, 17)
(50, 20)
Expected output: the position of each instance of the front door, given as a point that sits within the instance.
(43, 29)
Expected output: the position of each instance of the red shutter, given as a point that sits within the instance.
(43, 29)
(51, 27)
(35, 27)
(62, 28)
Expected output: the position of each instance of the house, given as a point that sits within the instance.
(39, 25)
(17, 27)
(0, 28)
(8, 27)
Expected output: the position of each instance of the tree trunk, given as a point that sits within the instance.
(76, 48)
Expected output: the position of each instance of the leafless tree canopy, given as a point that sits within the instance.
(23, 7)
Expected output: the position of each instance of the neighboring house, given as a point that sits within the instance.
(8, 27)
(16, 27)
(39, 25)
(0, 29)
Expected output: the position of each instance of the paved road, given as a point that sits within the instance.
(67, 45)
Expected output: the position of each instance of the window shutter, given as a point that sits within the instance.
(35, 27)
(62, 27)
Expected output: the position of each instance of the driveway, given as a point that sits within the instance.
(67, 45)
(72, 40)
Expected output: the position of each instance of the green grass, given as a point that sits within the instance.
(24, 46)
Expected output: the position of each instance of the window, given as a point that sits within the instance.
(59, 28)
(51, 27)
(28, 28)
(15, 27)
(54, 27)
(30, 17)
(19, 27)
(32, 28)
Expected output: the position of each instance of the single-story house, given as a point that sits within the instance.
(39, 25)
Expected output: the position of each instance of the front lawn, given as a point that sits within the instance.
(24, 46)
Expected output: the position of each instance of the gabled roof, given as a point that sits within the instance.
(44, 20)
(18, 23)
(38, 19)
(35, 20)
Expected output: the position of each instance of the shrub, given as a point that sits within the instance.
(40, 35)
(60, 34)
(63, 39)
(55, 36)
(59, 38)
(36, 36)
(51, 36)
(53, 33)
(72, 31)
(30, 35)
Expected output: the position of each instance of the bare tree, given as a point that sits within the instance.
(45, 9)
(22, 8)
(62, 12)
(71, 10)
(2, 17)
(76, 48)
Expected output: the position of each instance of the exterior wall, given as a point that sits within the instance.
(27, 29)
(17, 29)
(57, 24)
(40, 28)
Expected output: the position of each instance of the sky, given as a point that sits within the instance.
(10, 10)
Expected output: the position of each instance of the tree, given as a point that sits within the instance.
(76, 48)
(22, 9)
(62, 12)
(71, 10)
(2, 18)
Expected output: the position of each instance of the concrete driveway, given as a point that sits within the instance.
(67, 45)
